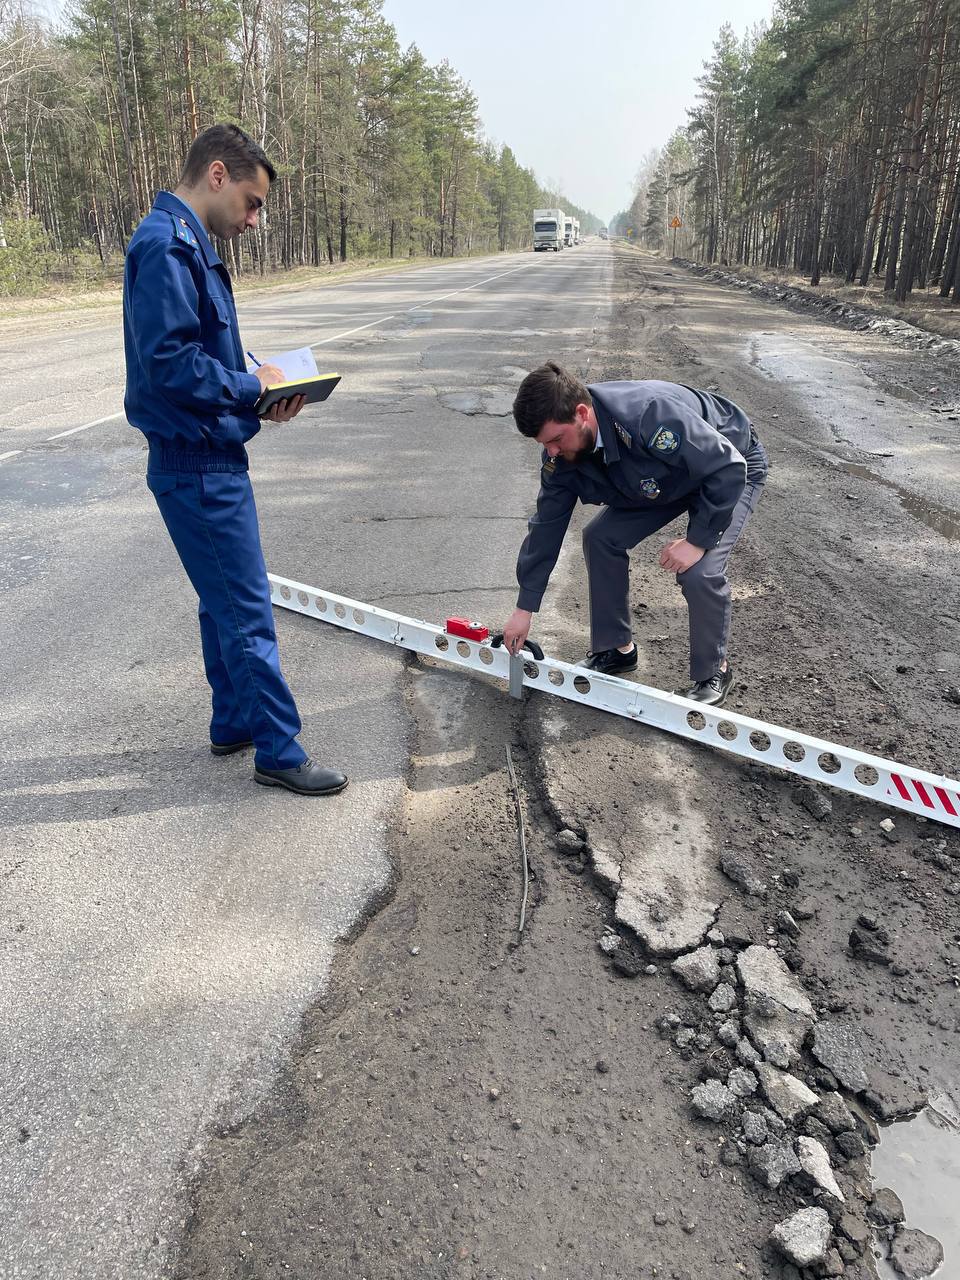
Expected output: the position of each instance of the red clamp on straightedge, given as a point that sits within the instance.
(467, 629)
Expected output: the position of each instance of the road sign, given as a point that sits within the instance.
(676, 223)
(870, 777)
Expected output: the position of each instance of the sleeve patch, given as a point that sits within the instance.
(666, 440)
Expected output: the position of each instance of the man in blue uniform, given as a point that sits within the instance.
(189, 393)
(647, 452)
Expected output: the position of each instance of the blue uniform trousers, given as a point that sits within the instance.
(610, 535)
(212, 518)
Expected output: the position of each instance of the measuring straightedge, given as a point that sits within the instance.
(913, 790)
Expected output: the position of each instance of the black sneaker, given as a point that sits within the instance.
(611, 661)
(307, 779)
(712, 692)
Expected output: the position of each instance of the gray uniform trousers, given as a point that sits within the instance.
(610, 535)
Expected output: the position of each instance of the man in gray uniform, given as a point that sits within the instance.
(647, 452)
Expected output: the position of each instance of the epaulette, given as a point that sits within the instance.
(183, 231)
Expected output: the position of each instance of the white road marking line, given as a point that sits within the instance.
(323, 342)
(72, 431)
(467, 289)
(97, 422)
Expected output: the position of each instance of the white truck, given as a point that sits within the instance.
(568, 231)
(576, 231)
(548, 227)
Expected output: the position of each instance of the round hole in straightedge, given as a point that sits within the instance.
(485, 656)
(727, 730)
(581, 684)
(531, 670)
(556, 677)
(696, 720)
(320, 604)
(358, 617)
(463, 649)
(794, 752)
(867, 775)
(339, 610)
(442, 643)
(285, 593)
(303, 598)
(828, 762)
(759, 740)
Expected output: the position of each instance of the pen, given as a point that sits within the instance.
(251, 356)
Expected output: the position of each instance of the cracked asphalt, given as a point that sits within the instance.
(166, 923)
(244, 1040)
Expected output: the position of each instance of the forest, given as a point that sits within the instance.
(378, 153)
(826, 143)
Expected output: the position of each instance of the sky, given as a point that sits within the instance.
(580, 94)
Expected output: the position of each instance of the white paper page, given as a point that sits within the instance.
(294, 364)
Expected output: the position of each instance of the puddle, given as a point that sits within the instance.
(919, 1159)
(940, 519)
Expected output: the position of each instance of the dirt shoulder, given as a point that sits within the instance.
(73, 309)
(460, 1105)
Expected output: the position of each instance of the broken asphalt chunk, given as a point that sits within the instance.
(713, 1101)
(837, 1047)
(815, 802)
(804, 1237)
(737, 870)
(815, 1162)
(914, 1254)
(699, 970)
(772, 1163)
(788, 1096)
(871, 946)
(886, 1208)
(763, 973)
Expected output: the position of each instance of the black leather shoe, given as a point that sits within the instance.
(712, 692)
(228, 748)
(611, 661)
(307, 779)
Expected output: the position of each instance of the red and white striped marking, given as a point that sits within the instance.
(927, 797)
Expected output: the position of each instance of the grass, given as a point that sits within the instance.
(106, 294)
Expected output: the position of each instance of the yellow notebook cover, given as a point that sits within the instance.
(315, 390)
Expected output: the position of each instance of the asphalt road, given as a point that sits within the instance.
(164, 921)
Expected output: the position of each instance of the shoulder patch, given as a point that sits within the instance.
(183, 231)
(666, 440)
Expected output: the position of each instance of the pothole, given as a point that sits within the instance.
(490, 403)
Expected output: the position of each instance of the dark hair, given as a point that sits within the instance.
(549, 394)
(241, 156)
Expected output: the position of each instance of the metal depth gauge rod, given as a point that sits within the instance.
(901, 786)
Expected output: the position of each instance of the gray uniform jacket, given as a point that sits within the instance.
(664, 445)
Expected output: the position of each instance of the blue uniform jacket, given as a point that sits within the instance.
(663, 445)
(187, 386)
